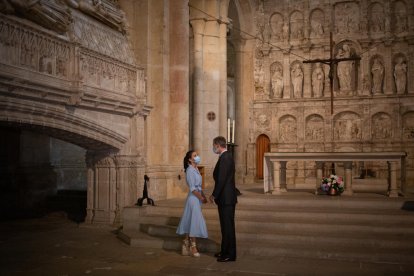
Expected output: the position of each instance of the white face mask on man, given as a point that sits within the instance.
(216, 150)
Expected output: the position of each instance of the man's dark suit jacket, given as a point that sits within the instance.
(225, 187)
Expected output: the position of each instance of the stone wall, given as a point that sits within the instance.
(373, 97)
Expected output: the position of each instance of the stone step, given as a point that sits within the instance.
(340, 227)
(359, 216)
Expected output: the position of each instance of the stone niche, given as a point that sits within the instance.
(373, 101)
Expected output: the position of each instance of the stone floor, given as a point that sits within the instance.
(55, 245)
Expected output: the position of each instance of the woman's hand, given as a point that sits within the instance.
(204, 200)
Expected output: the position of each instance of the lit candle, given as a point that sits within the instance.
(232, 140)
(228, 130)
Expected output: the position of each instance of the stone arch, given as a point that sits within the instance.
(399, 17)
(376, 18)
(276, 22)
(296, 23)
(381, 126)
(288, 129)
(314, 128)
(57, 122)
(408, 126)
(347, 126)
(377, 74)
(317, 23)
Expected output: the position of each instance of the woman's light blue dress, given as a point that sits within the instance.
(192, 221)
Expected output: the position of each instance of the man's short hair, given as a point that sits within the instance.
(221, 141)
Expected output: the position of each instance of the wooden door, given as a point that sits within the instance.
(262, 146)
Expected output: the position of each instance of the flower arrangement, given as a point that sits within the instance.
(332, 182)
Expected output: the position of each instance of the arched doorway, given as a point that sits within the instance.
(262, 146)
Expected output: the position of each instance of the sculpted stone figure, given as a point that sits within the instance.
(277, 83)
(105, 13)
(377, 71)
(345, 69)
(318, 78)
(296, 76)
(400, 76)
(50, 14)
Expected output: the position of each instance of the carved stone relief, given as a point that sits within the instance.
(314, 130)
(381, 126)
(296, 25)
(262, 120)
(399, 17)
(287, 129)
(276, 72)
(317, 23)
(346, 17)
(376, 18)
(259, 76)
(347, 127)
(377, 75)
(408, 126)
(276, 25)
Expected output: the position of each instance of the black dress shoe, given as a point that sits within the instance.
(217, 255)
(225, 259)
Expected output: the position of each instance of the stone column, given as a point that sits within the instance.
(348, 178)
(276, 178)
(319, 174)
(90, 182)
(392, 170)
(198, 109)
(223, 114)
(283, 186)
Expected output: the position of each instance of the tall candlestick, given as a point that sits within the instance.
(228, 130)
(232, 140)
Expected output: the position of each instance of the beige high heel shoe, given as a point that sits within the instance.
(185, 248)
(194, 248)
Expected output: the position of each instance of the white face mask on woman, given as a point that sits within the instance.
(197, 159)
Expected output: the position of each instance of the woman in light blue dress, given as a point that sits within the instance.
(192, 223)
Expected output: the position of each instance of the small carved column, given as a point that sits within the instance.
(276, 178)
(307, 84)
(90, 188)
(392, 170)
(348, 178)
(319, 174)
(283, 186)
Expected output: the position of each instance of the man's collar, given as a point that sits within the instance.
(223, 152)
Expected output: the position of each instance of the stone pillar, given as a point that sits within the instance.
(90, 188)
(276, 178)
(198, 108)
(178, 81)
(223, 113)
(392, 170)
(319, 174)
(283, 186)
(348, 178)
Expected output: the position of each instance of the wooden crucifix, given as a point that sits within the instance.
(331, 62)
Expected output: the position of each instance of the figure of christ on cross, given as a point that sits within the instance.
(331, 62)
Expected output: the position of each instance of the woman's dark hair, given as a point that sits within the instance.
(187, 159)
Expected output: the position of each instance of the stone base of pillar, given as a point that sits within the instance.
(348, 192)
(392, 194)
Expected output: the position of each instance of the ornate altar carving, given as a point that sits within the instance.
(314, 128)
(347, 127)
(381, 126)
(287, 129)
(346, 17)
(276, 72)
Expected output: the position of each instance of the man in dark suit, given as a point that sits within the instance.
(225, 196)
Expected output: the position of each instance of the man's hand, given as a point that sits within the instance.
(211, 198)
